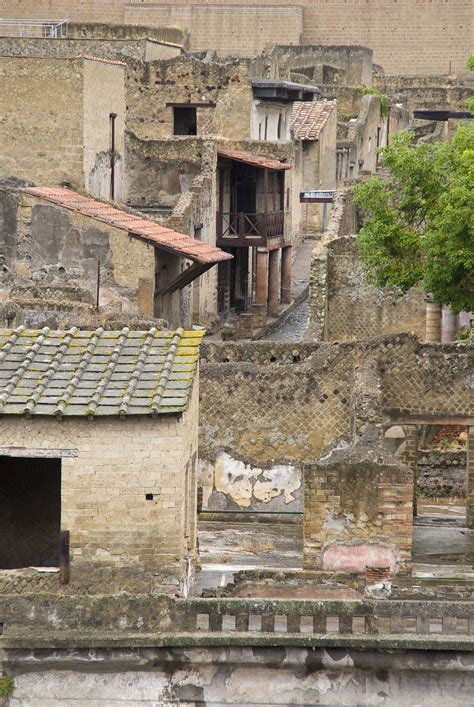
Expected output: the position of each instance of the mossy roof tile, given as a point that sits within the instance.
(94, 373)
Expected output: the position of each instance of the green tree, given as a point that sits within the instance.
(470, 66)
(418, 226)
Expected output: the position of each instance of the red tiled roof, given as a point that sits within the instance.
(309, 118)
(159, 236)
(248, 158)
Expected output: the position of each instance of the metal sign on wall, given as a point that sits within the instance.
(316, 197)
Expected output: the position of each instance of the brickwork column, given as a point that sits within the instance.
(409, 456)
(274, 285)
(470, 479)
(261, 295)
(433, 321)
(286, 278)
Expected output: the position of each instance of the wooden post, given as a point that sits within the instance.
(64, 559)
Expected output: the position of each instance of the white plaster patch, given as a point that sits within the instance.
(241, 481)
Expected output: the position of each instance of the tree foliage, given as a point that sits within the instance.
(418, 226)
(470, 66)
(384, 104)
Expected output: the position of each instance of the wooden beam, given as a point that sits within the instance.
(398, 419)
(37, 452)
(64, 557)
(184, 278)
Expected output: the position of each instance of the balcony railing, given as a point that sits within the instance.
(245, 229)
(20, 27)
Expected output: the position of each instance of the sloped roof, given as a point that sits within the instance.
(309, 118)
(96, 373)
(249, 158)
(147, 230)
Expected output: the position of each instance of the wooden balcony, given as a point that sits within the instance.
(241, 229)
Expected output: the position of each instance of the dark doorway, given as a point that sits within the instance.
(244, 180)
(30, 512)
(184, 121)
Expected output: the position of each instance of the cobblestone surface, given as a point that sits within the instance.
(293, 327)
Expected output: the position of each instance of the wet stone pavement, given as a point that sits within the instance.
(293, 327)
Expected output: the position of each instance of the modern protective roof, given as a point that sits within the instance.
(248, 158)
(309, 118)
(258, 82)
(144, 229)
(96, 373)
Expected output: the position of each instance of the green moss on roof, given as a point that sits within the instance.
(96, 373)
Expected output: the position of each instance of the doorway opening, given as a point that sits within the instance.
(30, 512)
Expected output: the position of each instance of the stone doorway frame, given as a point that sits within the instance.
(409, 455)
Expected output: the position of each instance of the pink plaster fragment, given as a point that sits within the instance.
(354, 558)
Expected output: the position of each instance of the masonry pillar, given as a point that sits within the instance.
(274, 283)
(409, 456)
(433, 321)
(286, 279)
(470, 479)
(261, 294)
(449, 325)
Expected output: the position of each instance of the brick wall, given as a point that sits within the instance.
(407, 36)
(103, 488)
(358, 511)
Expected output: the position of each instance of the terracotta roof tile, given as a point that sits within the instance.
(101, 59)
(96, 373)
(309, 118)
(164, 238)
(249, 158)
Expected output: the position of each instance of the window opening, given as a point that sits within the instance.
(30, 512)
(184, 121)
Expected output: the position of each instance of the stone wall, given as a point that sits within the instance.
(406, 37)
(103, 95)
(441, 473)
(313, 63)
(431, 92)
(268, 403)
(115, 49)
(61, 109)
(107, 468)
(104, 30)
(48, 246)
(256, 675)
(41, 103)
(358, 310)
(222, 89)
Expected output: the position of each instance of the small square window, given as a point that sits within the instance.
(184, 121)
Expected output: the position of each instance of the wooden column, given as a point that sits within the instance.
(286, 279)
(433, 321)
(261, 294)
(274, 282)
